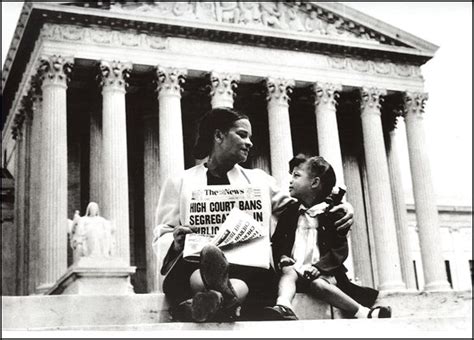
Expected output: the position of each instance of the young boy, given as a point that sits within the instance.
(309, 252)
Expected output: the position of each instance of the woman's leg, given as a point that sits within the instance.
(240, 286)
(175, 284)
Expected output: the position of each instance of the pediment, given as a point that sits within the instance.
(305, 19)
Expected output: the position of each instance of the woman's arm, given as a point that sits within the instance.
(167, 218)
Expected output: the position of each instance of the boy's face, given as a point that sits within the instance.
(301, 183)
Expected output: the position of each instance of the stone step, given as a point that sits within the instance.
(89, 311)
(82, 310)
(446, 327)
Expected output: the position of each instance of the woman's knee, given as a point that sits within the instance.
(241, 289)
(195, 281)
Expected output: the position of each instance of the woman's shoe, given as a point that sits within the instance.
(182, 312)
(205, 305)
(385, 312)
(214, 270)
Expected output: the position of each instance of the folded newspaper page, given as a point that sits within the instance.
(239, 227)
(235, 219)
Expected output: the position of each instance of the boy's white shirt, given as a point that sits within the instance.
(305, 249)
(176, 191)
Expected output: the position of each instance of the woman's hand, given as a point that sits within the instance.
(179, 235)
(345, 212)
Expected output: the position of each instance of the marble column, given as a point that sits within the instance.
(281, 146)
(399, 208)
(223, 86)
(152, 192)
(170, 122)
(33, 211)
(114, 189)
(326, 123)
(20, 136)
(388, 261)
(52, 199)
(359, 236)
(95, 159)
(425, 198)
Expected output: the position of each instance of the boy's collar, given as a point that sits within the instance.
(315, 210)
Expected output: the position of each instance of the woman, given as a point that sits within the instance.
(225, 138)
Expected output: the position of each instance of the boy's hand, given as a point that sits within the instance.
(344, 223)
(310, 272)
(286, 261)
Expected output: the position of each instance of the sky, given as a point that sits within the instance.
(448, 81)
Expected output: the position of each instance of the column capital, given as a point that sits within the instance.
(222, 87)
(170, 80)
(278, 90)
(414, 104)
(114, 74)
(326, 93)
(55, 70)
(371, 99)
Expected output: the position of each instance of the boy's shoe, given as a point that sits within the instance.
(279, 312)
(385, 312)
(214, 270)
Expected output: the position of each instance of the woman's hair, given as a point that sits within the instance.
(317, 167)
(221, 118)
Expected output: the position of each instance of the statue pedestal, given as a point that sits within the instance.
(95, 276)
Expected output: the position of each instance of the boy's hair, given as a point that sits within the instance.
(318, 167)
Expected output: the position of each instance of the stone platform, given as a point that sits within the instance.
(412, 312)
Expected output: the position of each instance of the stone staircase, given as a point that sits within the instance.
(413, 313)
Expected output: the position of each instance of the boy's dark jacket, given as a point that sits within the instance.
(333, 250)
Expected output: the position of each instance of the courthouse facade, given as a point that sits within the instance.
(101, 101)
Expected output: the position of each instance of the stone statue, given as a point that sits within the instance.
(250, 13)
(273, 14)
(91, 235)
(314, 24)
(227, 11)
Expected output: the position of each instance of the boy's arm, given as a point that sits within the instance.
(335, 257)
(336, 245)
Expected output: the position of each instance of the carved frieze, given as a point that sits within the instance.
(375, 67)
(70, 33)
(278, 15)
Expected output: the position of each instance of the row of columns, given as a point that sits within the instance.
(165, 152)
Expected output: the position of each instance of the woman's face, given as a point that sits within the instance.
(235, 144)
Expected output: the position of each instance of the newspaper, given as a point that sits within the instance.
(239, 227)
(235, 219)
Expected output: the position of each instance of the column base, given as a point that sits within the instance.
(438, 286)
(95, 276)
(392, 287)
